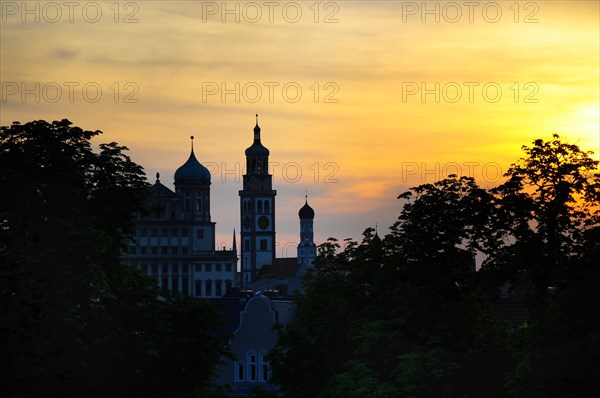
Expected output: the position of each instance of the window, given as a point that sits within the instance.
(218, 267)
(174, 283)
(218, 288)
(247, 245)
(154, 250)
(228, 284)
(174, 232)
(208, 288)
(164, 232)
(184, 232)
(174, 250)
(200, 234)
(199, 205)
(239, 371)
(265, 368)
(267, 207)
(207, 267)
(228, 267)
(198, 267)
(165, 269)
(164, 250)
(184, 251)
(143, 250)
(251, 366)
(153, 232)
(154, 268)
(259, 207)
(263, 245)
(198, 284)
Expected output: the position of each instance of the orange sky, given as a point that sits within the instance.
(368, 97)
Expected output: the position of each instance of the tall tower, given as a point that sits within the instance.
(307, 250)
(192, 185)
(257, 210)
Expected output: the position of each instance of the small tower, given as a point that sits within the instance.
(192, 185)
(307, 250)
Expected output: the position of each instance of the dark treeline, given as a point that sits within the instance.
(407, 316)
(74, 321)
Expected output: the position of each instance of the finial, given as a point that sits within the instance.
(157, 177)
(257, 118)
(192, 138)
(375, 227)
(306, 195)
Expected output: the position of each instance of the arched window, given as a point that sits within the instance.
(218, 288)
(259, 206)
(208, 288)
(267, 206)
(198, 287)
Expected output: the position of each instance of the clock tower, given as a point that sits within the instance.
(257, 211)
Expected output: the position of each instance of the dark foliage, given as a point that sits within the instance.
(74, 321)
(408, 316)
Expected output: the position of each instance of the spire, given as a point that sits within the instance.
(157, 177)
(234, 243)
(376, 239)
(257, 130)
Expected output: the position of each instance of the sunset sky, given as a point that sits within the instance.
(358, 100)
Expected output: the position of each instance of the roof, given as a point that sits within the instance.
(306, 211)
(257, 149)
(192, 171)
(281, 268)
(159, 190)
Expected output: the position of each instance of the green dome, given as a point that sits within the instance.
(192, 171)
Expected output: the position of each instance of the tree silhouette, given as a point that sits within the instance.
(74, 321)
(408, 315)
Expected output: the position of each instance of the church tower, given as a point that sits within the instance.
(257, 210)
(307, 250)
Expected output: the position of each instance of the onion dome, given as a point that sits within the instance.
(306, 211)
(192, 171)
(257, 149)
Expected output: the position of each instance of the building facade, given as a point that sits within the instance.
(175, 237)
(254, 336)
